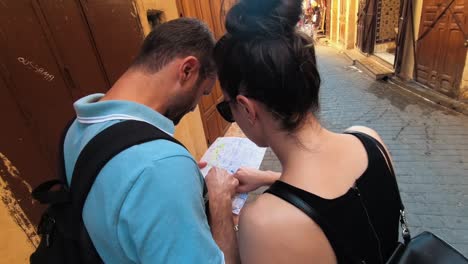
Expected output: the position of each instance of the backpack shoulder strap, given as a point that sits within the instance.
(102, 148)
(343, 255)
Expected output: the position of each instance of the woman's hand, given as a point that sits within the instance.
(251, 179)
(202, 164)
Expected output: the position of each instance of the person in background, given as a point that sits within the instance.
(270, 80)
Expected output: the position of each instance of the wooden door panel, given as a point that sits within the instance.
(19, 146)
(35, 99)
(217, 13)
(79, 57)
(32, 74)
(203, 11)
(441, 51)
(187, 8)
(118, 46)
(208, 102)
(212, 127)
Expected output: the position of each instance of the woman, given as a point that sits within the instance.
(270, 81)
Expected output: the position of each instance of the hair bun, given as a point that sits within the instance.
(250, 18)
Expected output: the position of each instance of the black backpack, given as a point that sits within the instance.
(64, 238)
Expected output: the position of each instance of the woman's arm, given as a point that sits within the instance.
(251, 179)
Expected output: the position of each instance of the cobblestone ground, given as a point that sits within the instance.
(429, 144)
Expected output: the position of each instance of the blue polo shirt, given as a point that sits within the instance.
(146, 205)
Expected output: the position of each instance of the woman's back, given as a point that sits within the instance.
(373, 199)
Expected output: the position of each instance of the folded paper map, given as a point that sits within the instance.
(231, 153)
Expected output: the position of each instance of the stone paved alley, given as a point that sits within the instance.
(429, 144)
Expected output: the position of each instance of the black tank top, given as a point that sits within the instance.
(374, 199)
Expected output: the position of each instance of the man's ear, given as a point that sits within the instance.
(248, 107)
(189, 69)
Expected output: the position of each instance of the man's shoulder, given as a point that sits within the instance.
(130, 161)
(149, 150)
(160, 150)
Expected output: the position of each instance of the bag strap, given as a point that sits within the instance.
(278, 189)
(403, 221)
(102, 148)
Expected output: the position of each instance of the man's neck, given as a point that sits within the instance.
(142, 88)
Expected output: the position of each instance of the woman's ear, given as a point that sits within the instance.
(248, 107)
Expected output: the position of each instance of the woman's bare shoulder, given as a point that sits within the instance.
(366, 130)
(273, 231)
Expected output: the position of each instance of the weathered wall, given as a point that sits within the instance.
(334, 21)
(15, 247)
(351, 24)
(464, 82)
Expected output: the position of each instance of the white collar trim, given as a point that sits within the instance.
(106, 118)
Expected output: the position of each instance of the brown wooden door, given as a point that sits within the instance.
(49, 57)
(211, 12)
(77, 55)
(441, 52)
(117, 33)
(35, 99)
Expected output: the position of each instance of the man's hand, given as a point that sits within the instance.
(221, 188)
(220, 184)
(251, 179)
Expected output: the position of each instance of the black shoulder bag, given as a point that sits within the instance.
(424, 248)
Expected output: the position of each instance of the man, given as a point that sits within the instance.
(146, 205)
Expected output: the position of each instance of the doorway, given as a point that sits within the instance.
(387, 18)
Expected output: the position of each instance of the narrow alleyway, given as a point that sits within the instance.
(429, 144)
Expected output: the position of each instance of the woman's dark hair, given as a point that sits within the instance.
(264, 58)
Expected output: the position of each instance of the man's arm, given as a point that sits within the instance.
(221, 188)
(163, 218)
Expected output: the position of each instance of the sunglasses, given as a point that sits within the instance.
(225, 111)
